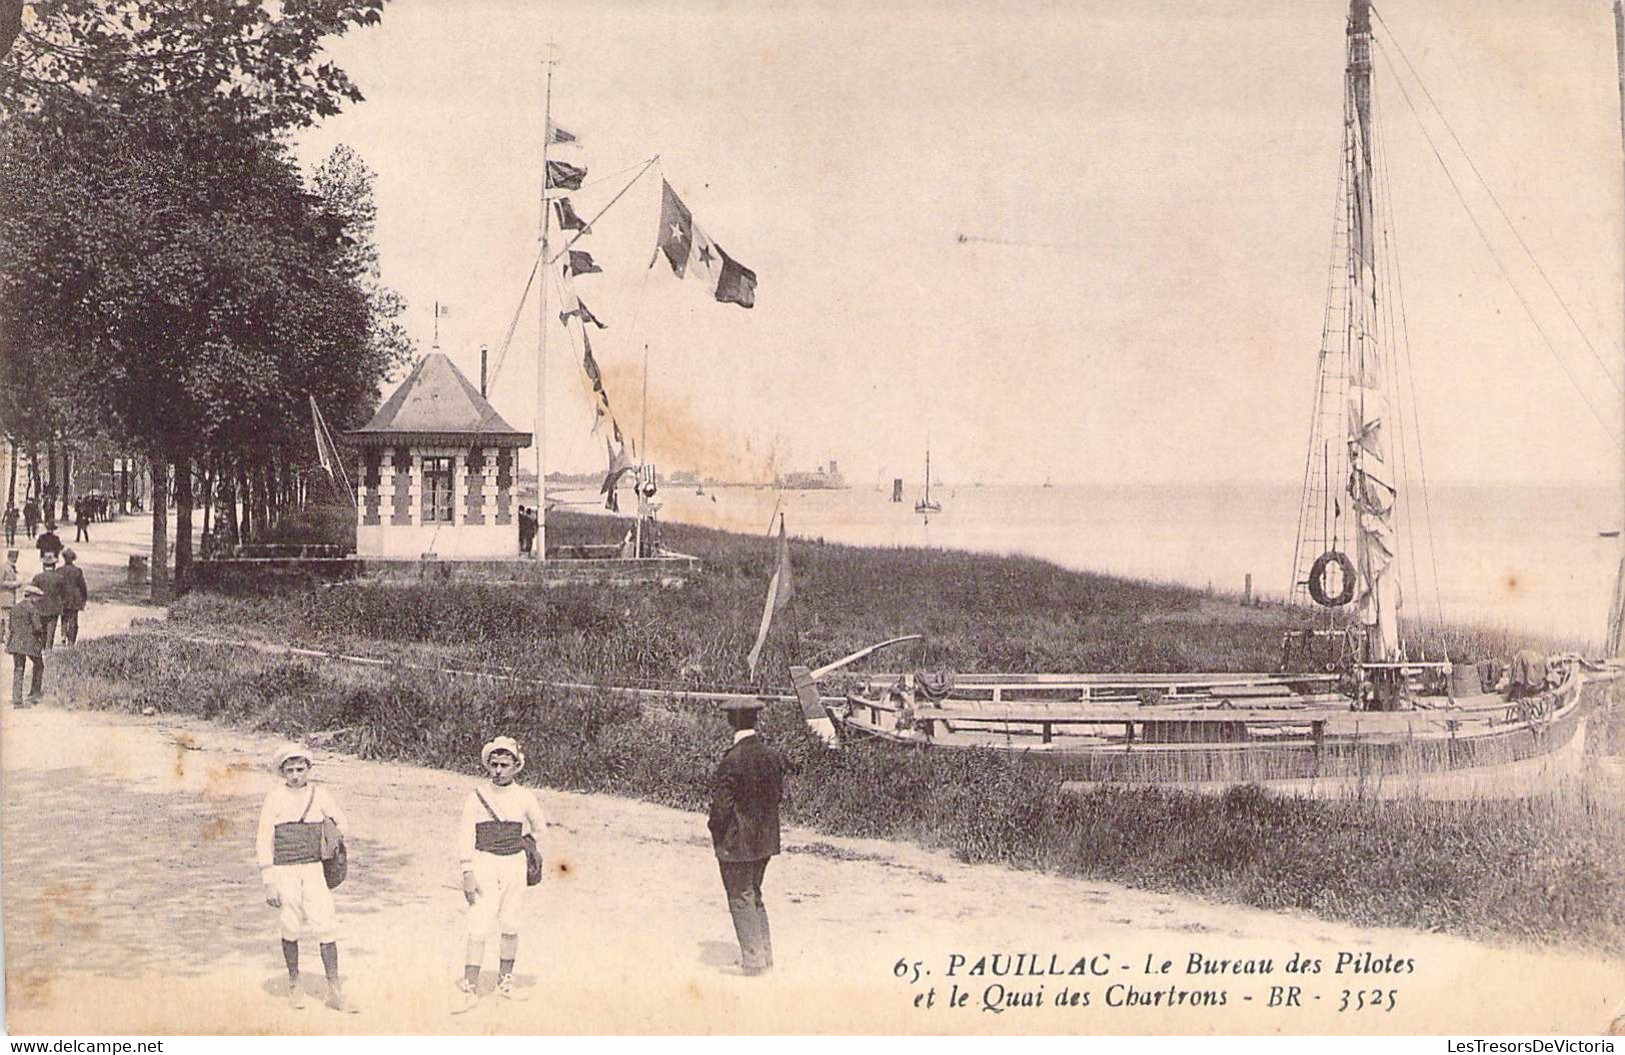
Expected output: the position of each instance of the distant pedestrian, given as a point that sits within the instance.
(744, 823)
(53, 590)
(30, 516)
(497, 818)
(10, 520)
(288, 847)
(9, 581)
(25, 640)
(74, 595)
(82, 521)
(49, 542)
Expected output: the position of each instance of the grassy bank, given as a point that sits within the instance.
(1547, 869)
(977, 612)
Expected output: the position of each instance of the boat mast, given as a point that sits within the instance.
(541, 326)
(1371, 485)
(1616, 618)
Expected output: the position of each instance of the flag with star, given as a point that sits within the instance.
(693, 255)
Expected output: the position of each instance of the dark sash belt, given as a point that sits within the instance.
(294, 843)
(499, 837)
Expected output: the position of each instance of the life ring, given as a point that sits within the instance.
(1317, 579)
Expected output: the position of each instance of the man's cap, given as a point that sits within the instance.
(744, 704)
(503, 743)
(11, 554)
(31, 588)
(48, 558)
(69, 554)
(287, 751)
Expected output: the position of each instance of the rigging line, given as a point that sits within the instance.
(1405, 518)
(1306, 499)
(502, 353)
(647, 165)
(1416, 418)
(1516, 292)
(1487, 189)
(613, 175)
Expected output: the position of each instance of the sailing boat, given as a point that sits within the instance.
(925, 506)
(1364, 708)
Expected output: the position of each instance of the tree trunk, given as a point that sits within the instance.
(67, 485)
(11, 487)
(124, 486)
(33, 470)
(245, 501)
(262, 502)
(160, 532)
(208, 494)
(48, 506)
(183, 524)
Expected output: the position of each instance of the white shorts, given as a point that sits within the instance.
(307, 904)
(502, 891)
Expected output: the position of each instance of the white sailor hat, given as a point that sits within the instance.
(287, 751)
(503, 743)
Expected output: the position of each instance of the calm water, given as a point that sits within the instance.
(1525, 557)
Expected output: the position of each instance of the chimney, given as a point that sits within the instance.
(483, 351)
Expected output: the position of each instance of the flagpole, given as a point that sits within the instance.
(795, 620)
(541, 330)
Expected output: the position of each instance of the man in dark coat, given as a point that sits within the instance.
(74, 595)
(30, 516)
(53, 596)
(744, 825)
(49, 543)
(25, 640)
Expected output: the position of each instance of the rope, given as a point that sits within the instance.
(1416, 419)
(1482, 234)
(502, 353)
(1606, 369)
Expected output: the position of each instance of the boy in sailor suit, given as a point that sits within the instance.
(289, 848)
(496, 817)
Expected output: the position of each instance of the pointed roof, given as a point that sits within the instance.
(436, 404)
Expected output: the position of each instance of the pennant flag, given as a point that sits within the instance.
(583, 313)
(555, 134)
(568, 220)
(779, 592)
(328, 453)
(693, 255)
(618, 465)
(442, 311)
(581, 263)
(564, 176)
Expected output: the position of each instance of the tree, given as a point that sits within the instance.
(156, 235)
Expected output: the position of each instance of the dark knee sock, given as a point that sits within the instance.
(330, 960)
(290, 956)
(505, 967)
(471, 973)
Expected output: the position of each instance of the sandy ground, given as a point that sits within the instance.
(132, 905)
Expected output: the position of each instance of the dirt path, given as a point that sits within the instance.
(132, 905)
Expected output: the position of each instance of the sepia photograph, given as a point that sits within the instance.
(928, 518)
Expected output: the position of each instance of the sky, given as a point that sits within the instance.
(1145, 192)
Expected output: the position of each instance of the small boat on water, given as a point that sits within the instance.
(1366, 707)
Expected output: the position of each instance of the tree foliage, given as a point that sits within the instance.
(167, 272)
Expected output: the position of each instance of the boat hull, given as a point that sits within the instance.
(1216, 757)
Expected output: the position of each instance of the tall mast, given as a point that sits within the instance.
(1371, 483)
(541, 328)
(1616, 617)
